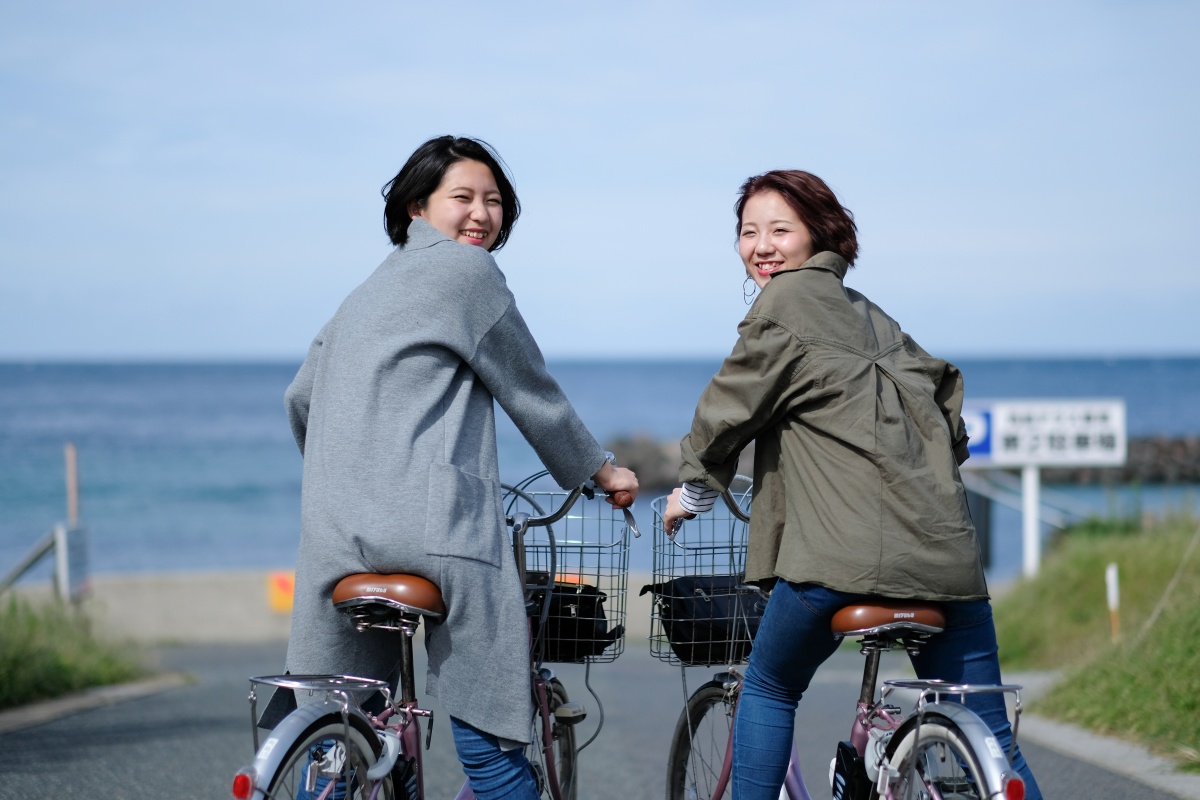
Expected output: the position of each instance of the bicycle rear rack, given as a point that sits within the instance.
(934, 691)
(333, 688)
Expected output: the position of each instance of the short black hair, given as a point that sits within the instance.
(423, 172)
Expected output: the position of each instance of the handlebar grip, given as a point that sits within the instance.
(621, 499)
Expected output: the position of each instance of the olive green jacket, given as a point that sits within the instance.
(858, 438)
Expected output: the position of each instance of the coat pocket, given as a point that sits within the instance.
(463, 518)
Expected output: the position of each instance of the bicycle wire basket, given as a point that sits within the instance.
(587, 552)
(703, 612)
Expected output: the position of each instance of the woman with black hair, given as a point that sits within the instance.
(393, 412)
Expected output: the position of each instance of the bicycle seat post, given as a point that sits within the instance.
(883, 624)
(873, 649)
(408, 679)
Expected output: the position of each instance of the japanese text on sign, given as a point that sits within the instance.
(1050, 432)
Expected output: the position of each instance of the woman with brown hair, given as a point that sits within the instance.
(857, 495)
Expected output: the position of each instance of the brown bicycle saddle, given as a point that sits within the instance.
(405, 594)
(883, 616)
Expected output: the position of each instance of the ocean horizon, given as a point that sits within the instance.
(190, 465)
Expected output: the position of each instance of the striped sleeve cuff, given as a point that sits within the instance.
(697, 498)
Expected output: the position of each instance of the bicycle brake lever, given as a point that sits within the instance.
(631, 523)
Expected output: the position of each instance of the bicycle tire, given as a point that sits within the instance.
(698, 747)
(563, 737)
(321, 739)
(945, 759)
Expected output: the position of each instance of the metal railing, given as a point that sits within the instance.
(67, 541)
(68, 544)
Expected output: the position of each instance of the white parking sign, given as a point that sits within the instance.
(1047, 432)
(1031, 434)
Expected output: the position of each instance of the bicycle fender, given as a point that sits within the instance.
(993, 760)
(272, 752)
(391, 749)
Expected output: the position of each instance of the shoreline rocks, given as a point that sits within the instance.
(1155, 460)
(1158, 459)
(656, 461)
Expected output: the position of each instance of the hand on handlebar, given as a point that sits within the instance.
(674, 513)
(620, 484)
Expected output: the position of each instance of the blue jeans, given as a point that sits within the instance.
(794, 639)
(494, 774)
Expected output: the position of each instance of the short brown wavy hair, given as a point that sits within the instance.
(830, 224)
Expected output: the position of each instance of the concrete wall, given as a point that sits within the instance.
(198, 607)
(212, 607)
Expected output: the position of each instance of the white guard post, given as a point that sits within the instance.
(1029, 434)
(66, 540)
(1031, 529)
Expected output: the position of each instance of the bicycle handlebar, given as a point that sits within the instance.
(734, 508)
(619, 499)
(521, 521)
(730, 501)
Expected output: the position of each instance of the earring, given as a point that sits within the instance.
(749, 289)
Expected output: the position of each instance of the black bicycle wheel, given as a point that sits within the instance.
(699, 744)
(563, 737)
(945, 762)
(320, 756)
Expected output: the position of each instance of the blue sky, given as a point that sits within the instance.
(201, 180)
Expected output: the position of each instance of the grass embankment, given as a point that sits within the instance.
(1145, 686)
(49, 650)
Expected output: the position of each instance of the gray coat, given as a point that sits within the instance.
(393, 411)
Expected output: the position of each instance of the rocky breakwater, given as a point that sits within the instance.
(656, 462)
(1157, 459)
(1149, 460)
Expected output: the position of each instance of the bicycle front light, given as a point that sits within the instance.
(243, 784)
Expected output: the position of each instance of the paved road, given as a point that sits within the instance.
(187, 742)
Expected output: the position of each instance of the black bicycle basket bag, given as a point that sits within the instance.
(576, 627)
(709, 619)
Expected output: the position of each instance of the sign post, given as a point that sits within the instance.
(1031, 529)
(1029, 434)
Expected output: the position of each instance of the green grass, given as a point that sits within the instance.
(49, 650)
(1143, 687)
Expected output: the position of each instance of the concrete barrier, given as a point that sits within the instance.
(185, 607)
(228, 607)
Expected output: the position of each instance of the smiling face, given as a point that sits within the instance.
(466, 206)
(772, 238)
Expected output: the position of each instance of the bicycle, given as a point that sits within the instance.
(938, 750)
(335, 748)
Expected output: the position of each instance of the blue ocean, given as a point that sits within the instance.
(192, 466)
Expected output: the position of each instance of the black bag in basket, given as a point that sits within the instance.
(709, 619)
(577, 627)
